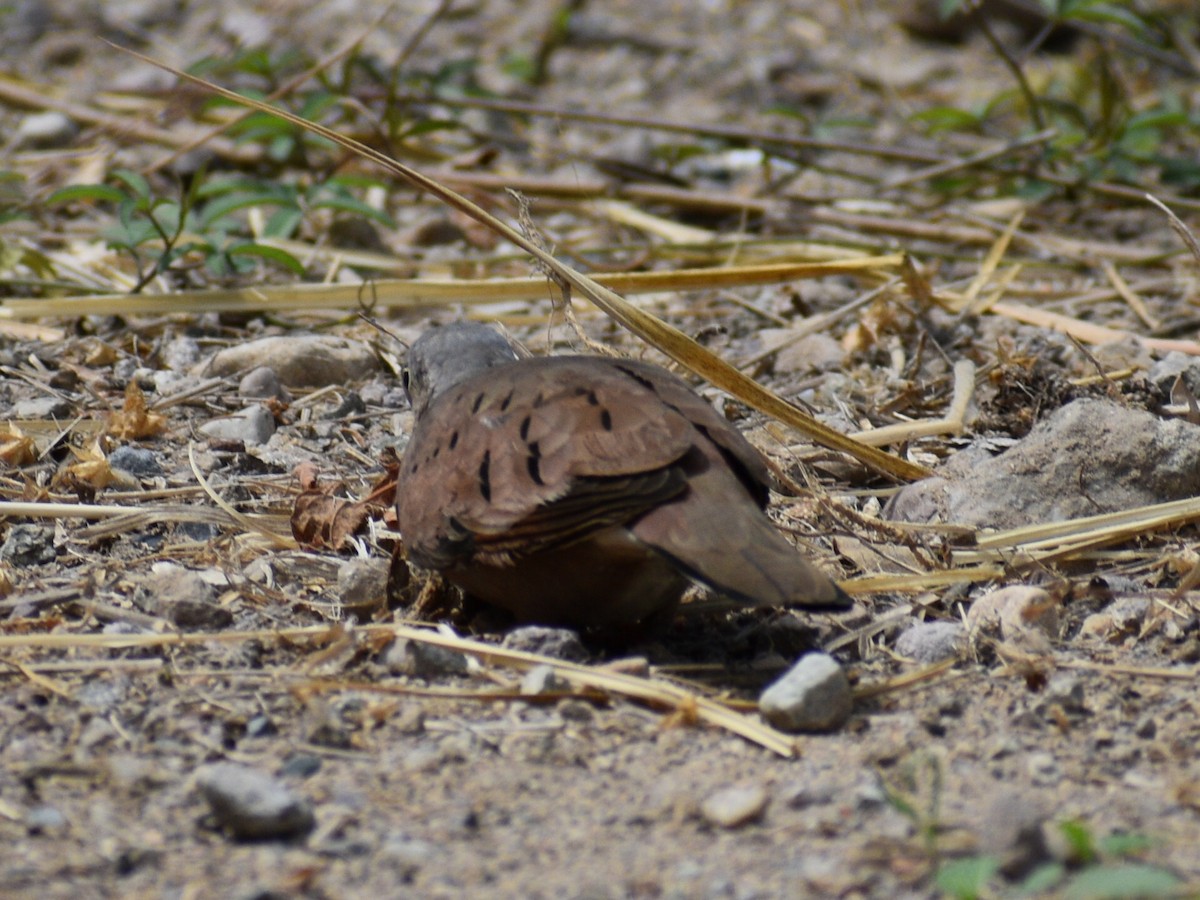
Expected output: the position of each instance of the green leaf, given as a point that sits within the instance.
(1100, 11)
(966, 879)
(1079, 839)
(1042, 879)
(135, 182)
(230, 203)
(283, 222)
(101, 193)
(271, 254)
(1124, 844)
(355, 206)
(1122, 882)
(947, 118)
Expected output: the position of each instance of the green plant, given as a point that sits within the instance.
(1094, 869)
(1103, 128)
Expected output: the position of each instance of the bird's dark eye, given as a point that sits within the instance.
(404, 378)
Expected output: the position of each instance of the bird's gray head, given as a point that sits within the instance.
(443, 357)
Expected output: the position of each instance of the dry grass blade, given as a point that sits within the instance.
(421, 293)
(1181, 229)
(669, 340)
(286, 542)
(951, 423)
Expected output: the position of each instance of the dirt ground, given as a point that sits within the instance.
(420, 785)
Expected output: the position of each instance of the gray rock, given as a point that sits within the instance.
(183, 597)
(252, 805)
(28, 545)
(252, 426)
(814, 695)
(362, 584)
(1089, 457)
(181, 354)
(422, 660)
(44, 129)
(263, 384)
(814, 352)
(299, 360)
(136, 461)
(1065, 690)
(733, 807)
(42, 408)
(558, 643)
(45, 820)
(928, 642)
(1176, 365)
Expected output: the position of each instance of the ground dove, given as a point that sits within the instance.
(584, 491)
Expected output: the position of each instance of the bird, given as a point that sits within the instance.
(584, 491)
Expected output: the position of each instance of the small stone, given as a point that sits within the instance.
(1018, 612)
(814, 695)
(733, 807)
(557, 643)
(28, 545)
(1146, 727)
(1043, 769)
(252, 805)
(45, 820)
(42, 408)
(181, 354)
(422, 660)
(1065, 690)
(814, 352)
(252, 426)
(300, 765)
(184, 597)
(362, 584)
(43, 130)
(543, 680)
(929, 642)
(263, 384)
(137, 461)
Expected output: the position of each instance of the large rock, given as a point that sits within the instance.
(1087, 458)
(302, 360)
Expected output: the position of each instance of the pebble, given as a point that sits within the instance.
(1043, 769)
(43, 130)
(929, 642)
(1065, 690)
(45, 820)
(543, 680)
(262, 383)
(362, 584)
(301, 765)
(298, 360)
(28, 545)
(1017, 612)
(421, 660)
(252, 426)
(733, 807)
(42, 408)
(137, 461)
(814, 695)
(252, 805)
(557, 643)
(184, 597)
(181, 354)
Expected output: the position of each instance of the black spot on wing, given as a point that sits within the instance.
(485, 476)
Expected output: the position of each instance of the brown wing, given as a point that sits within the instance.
(741, 456)
(535, 454)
